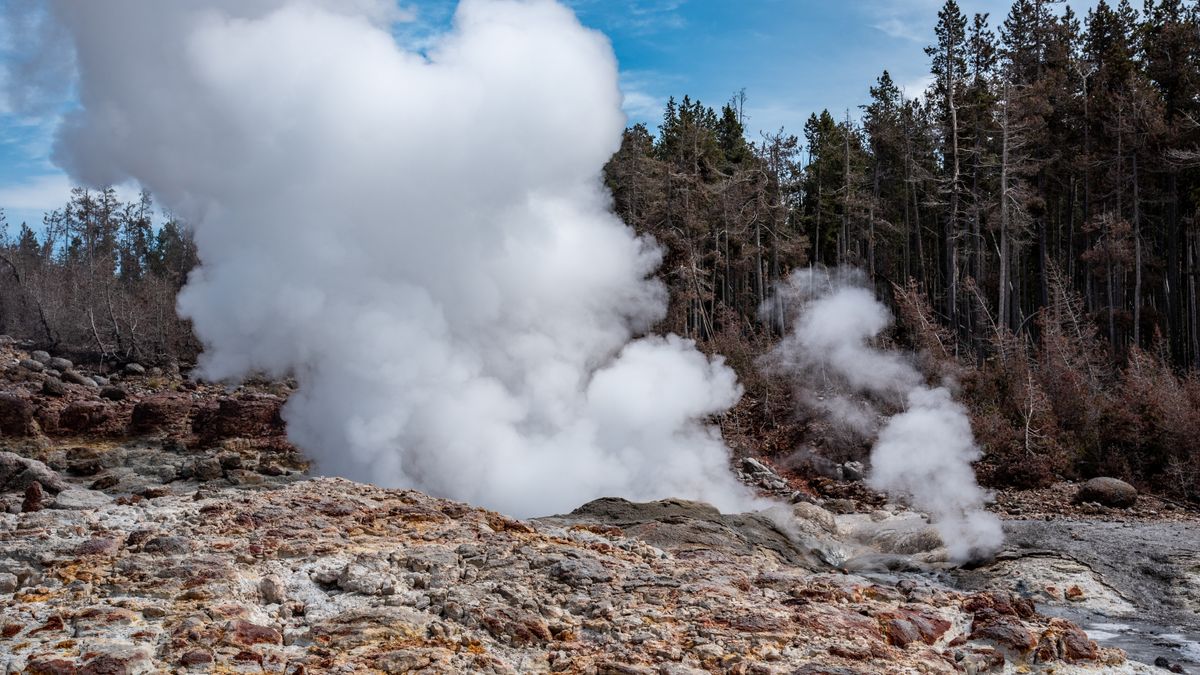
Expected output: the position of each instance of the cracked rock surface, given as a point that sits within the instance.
(327, 575)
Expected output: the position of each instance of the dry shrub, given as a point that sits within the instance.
(1013, 418)
(936, 346)
(764, 421)
(1156, 423)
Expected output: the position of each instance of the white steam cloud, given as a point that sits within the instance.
(423, 239)
(923, 453)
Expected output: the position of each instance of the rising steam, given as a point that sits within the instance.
(924, 452)
(423, 239)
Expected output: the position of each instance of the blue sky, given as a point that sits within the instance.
(793, 57)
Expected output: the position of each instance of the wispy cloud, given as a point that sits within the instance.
(896, 27)
(915, 88)
(638, 18)
(39, 193)
(640, 106)
(770, 116)
(645, 94)
(51, 191)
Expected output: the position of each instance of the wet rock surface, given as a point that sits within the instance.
(1129, 584)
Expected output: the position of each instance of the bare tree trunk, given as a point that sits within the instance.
(1137, 259)
(952, 218)
(844, 248)
(1002, 299)
(16, 274)
(1192, 316)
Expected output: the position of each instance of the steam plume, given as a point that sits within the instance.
(423, 239)
(924, 452)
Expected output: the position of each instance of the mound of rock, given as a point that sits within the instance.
(328, 575)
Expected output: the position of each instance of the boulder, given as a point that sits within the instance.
(754, 467)
(84, 416)
(17, 473)
(1107, 492)
(272, 590)
(812, 513)
(113, 393)
(34, 497)
(1007, 632)
(160, 412)
(16, 416)
(853, 471)
(32, 365)
(52, 386)
(61, 364)
(246, 416)
(75, 377)
(134, 369)
(41, 357)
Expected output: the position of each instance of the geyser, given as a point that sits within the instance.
(423, 239)
(924, 452)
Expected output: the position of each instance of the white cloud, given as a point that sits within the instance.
(644, 95)
(769, 116)
(49, 192)
(898, 28)
(641, 106)
(40, 193)
(636, 17)
(915, 88)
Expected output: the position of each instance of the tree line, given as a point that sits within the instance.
(1032, 215)
(100, 280)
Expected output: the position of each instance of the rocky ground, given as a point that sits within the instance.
(169, 527)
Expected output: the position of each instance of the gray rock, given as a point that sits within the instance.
(680, 525)
(812, 513)
(113, 393)
(100, 380)
(31, 365)
(74, 377)
(754, 467)
(853, 471)
(41, 357)
(908, 540)
(1107, 492)
(272, 590)
(576, 572)
(366, 576)
(59, 363)
(206, 468)
(52, 386)
(79, 500)
(17, 473)
(8, 583)
(840, 506)
(168, 545)
(134, 369)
